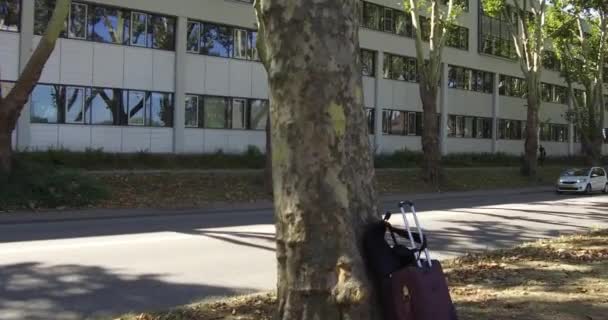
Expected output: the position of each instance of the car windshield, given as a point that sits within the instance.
(576, 173)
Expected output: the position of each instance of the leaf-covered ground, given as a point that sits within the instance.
(559, 279)
(193, 190)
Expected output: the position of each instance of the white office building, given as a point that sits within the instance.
(182, 76)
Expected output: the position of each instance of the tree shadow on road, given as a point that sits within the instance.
(40, 292)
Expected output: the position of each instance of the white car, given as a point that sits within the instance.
(586, 180)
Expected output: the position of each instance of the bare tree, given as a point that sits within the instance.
(322, 167)
(11, 106)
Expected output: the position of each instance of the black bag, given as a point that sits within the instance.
(384, 259)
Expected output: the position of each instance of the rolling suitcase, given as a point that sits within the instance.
(419, 291)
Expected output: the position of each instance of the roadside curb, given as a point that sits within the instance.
(388, 200)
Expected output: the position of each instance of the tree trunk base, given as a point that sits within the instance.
(6, 153)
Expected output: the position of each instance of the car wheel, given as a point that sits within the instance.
(588, 190)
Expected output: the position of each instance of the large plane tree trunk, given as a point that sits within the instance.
(322, 167)
(11, 106)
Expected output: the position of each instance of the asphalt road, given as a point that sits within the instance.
(90, 267)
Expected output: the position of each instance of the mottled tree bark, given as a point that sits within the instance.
(322, 167)
(530, 164)
(430, 139)
(268, 168)
(11, 106)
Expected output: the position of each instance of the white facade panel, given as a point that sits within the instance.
(161, 140)
(553, 112)
(386, 94)
(195, 74)
(236, 142)
(108, 64)
(469, 145)
(138, 68)
(555, 149)
(256, 138)
(464, 102)
(163, 70)
(215, 140)
(44, 136)
(52, 69)
(217, 72)
(74, 137)
(512, 147)
(259, 82)
(369, 89)
(109, 139)
(240, 78)
(194, 140)
(512, 108)
(76, 62)
(135, 139)
(9, 55)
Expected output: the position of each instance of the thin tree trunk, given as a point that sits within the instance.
(11, 106)
(321, 161)
(6, 151)
(430, 138)
(530, 164)
(268, 168)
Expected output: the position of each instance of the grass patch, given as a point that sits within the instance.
(192, 190)
(38, 186)
(253, 158)
(560, 279)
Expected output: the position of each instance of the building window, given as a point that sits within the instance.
(194, 36)
(371, 120)
(136, 107)
(400, 68)
(371, 15)
(241, 44)
(495, 37)
(162, 32)
(469, 127)
(139, 29)
(458, 37)
(74, 105)
(398, 122)
(77, 21)
(10, 15)
(513, 86)
(191, 114)
(215, 110)
(46, 101)
(216, 40)
(511, 129)
(106, 107)
(554, 93)
(553, 132)
(388, 21)
(238, 119)
(257, 114)
(160, 112)
(368, 63)
(470, 79)
(107, 24)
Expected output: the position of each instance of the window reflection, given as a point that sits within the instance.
(136, 103)
(216, 40)
(161, 110)
(74, 105)
(108, 25)
(258, 114)
(238, 113)
(46, 100)
(10, 15)
(215, 110)
(78, 21)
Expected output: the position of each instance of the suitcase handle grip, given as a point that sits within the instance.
(406, 203)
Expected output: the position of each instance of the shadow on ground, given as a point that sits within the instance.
(31, 291)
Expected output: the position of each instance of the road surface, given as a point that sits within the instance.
(85, 268)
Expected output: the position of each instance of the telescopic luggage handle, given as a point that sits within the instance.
(410, 204)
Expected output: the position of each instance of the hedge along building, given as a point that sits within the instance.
(182, 76)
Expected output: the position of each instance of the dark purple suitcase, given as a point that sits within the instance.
(418, 292)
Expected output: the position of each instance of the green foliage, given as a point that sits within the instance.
(494, 8)
(32, 185)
